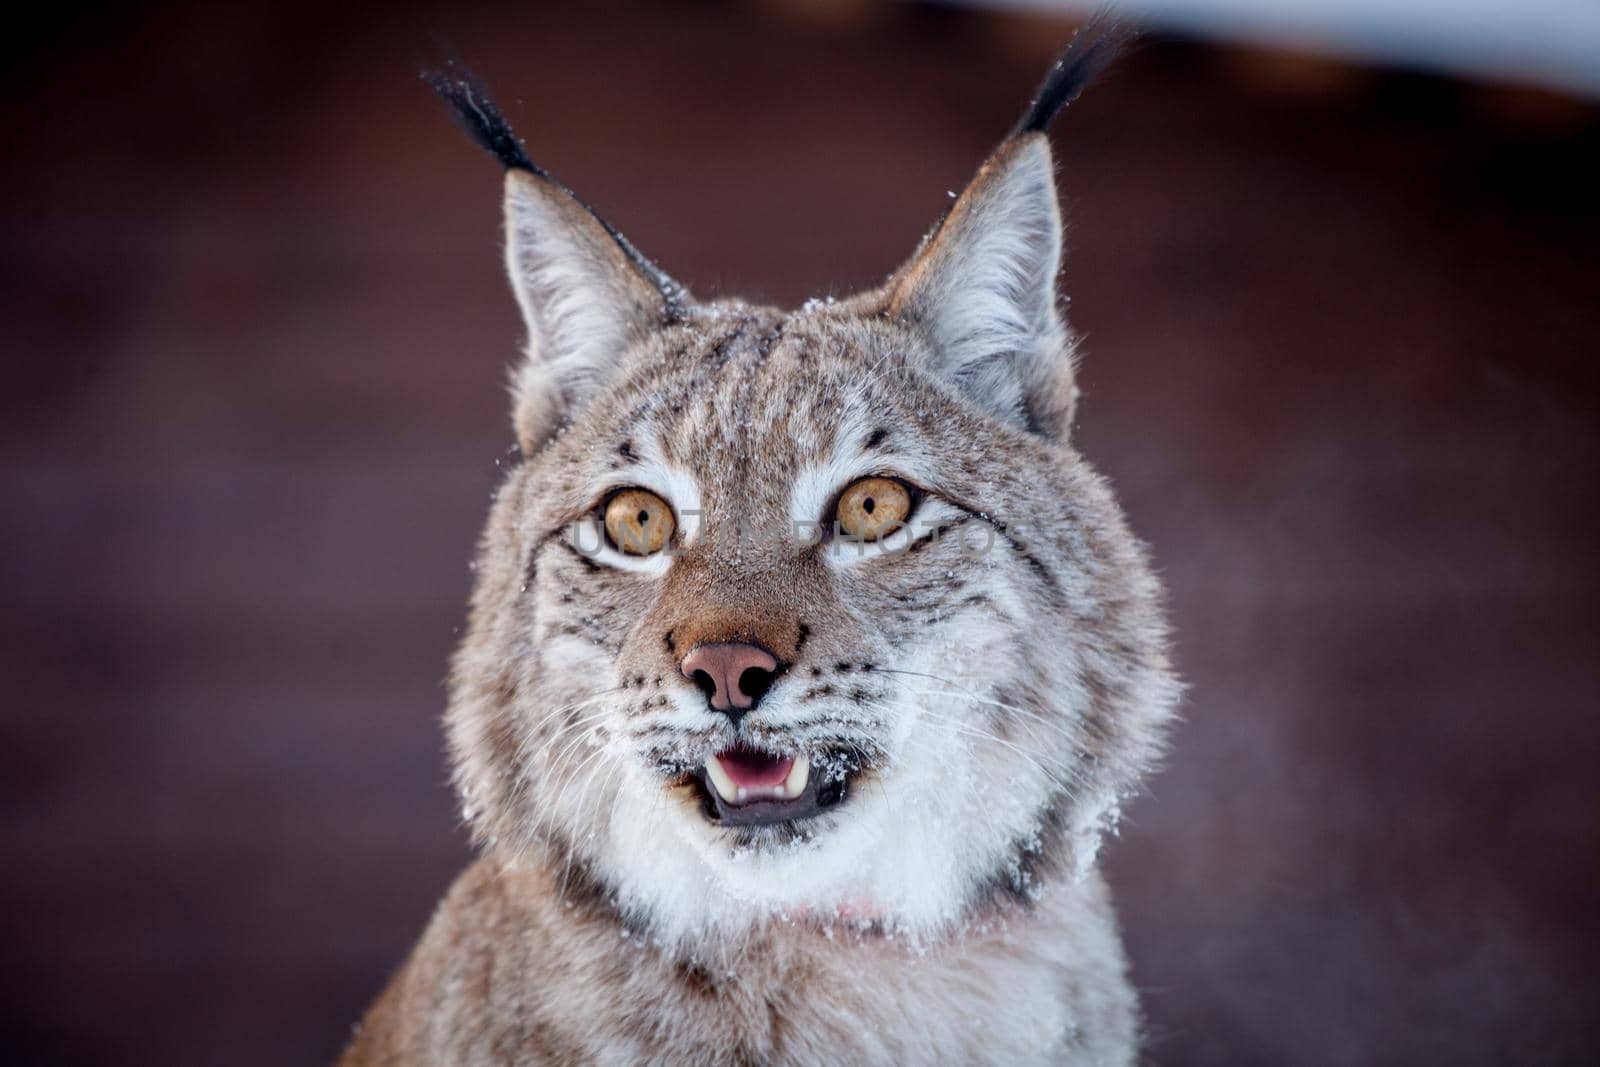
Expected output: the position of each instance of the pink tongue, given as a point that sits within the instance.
(751, 769)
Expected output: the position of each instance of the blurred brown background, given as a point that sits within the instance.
(1341, 363)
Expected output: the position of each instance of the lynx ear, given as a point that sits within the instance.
(586, 293)
(983, 285)
(983, 290)
(584, 298)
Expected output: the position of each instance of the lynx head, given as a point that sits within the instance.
(813, 615)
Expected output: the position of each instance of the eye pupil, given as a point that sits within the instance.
(868, 505)
(644, 517)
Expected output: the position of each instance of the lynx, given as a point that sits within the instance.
(808, 663)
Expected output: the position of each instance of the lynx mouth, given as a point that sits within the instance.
(744, 786)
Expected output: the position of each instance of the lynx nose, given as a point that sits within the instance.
(733, 677)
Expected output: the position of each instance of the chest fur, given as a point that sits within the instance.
(505, 979)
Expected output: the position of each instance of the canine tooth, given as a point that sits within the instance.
(720, 780)
(799, 774)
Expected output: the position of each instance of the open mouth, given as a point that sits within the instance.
(744, 786)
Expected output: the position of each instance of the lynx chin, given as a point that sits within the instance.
(808, 663)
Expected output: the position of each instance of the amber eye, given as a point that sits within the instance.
(873, 507)
(638, 522)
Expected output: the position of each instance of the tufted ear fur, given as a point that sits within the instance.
(983, 285)
(584, 298)
(586, 293)
(983, 290)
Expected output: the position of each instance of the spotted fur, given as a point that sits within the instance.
(988, 692)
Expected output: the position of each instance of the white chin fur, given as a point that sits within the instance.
(907, 847)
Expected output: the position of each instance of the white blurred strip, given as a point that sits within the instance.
(1554, 43)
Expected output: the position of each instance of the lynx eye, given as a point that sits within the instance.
(873, 507)
(638, 522)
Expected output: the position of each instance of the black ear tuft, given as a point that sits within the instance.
(1093, 48)
(479, 115)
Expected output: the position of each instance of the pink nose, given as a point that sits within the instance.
(733, 677)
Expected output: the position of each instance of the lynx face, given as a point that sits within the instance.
(812, 615)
